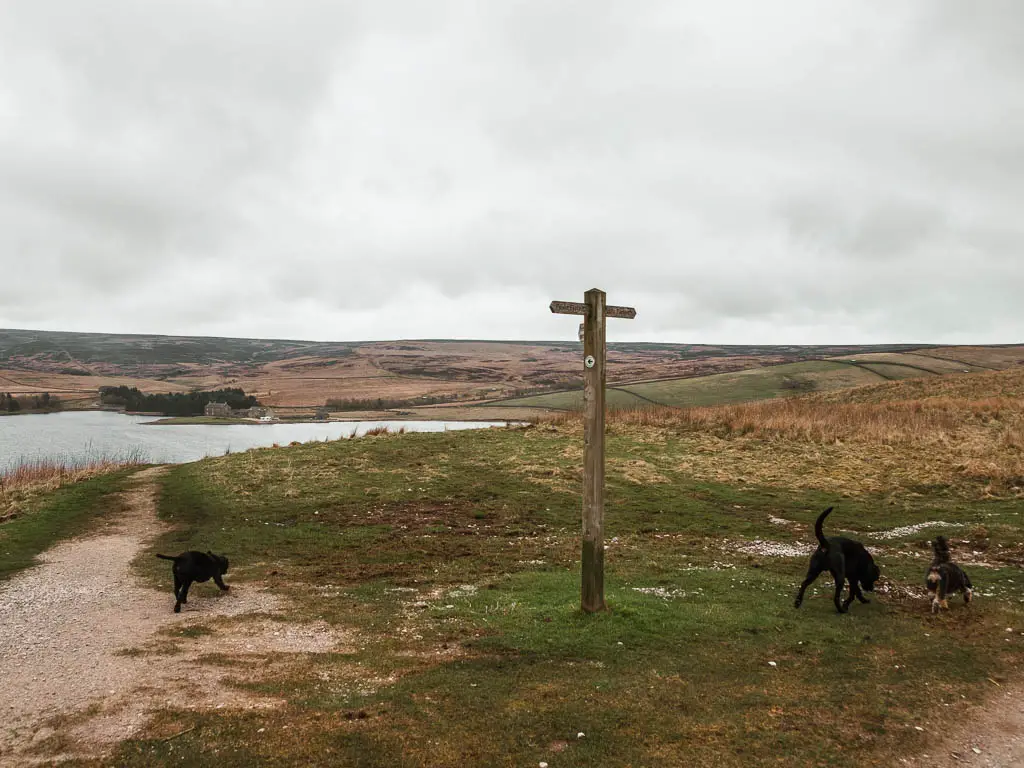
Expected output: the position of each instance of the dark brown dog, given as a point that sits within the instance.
(846, 560)
(946, 577)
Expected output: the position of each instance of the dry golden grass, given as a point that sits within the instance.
(35, 478)
(974, 387)
(965, 431)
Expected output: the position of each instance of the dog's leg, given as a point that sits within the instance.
(940, 595)
(968, 594)
(849, 596)
(855, 591)
(840, 583)
(183, 592)
(837, 567)
(223, 587)
(812, 574)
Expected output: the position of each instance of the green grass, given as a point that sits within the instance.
(454, 559)
(753, 384)
(759, 383)
(897, 371)
(66, 512)
(735, 387)
(929, 363)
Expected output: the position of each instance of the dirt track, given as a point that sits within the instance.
(67, 686)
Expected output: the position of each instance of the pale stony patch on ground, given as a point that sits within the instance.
(900, 591)
(665, 593)
(268, 636)
(770, 548)
(909, 530)
(717, 565)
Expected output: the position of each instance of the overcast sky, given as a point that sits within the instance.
(785, 172)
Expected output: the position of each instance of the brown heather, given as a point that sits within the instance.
(971, 424)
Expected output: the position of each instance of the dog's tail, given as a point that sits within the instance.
(822, 541)
(166, 557)
(941, 548)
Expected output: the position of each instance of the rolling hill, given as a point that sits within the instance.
(301, 375)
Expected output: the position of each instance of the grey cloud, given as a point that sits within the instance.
(886, 229)
(741, 171)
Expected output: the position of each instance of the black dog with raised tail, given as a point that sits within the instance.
(846, 560)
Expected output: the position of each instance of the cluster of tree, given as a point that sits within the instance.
(44, 402)
(174, 403)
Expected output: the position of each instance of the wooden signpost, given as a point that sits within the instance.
(594, 311)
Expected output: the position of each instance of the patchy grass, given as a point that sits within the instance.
(754, 384)
(31, 479)
(453, 561)
(833, 378)
(962, 435)
(49, 516)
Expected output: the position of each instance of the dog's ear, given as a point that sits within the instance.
(210, 554)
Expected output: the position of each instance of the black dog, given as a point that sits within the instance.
(846, 560)
(195, 566)
(946, 577)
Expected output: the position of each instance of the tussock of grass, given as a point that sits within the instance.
(33, 478)
(51, 516)
(966, 429)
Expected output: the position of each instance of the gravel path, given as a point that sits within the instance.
(993, 737)
(63, 621)
(66, 687)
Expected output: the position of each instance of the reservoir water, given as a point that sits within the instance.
(77, 437)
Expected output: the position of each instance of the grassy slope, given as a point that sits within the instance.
(854, 370)
(751, 384)
(65, 512)
(453, 559)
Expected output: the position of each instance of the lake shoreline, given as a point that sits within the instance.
(483, 412)
(77, 437)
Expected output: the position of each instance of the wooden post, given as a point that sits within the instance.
(594, 311)
(592, 588)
